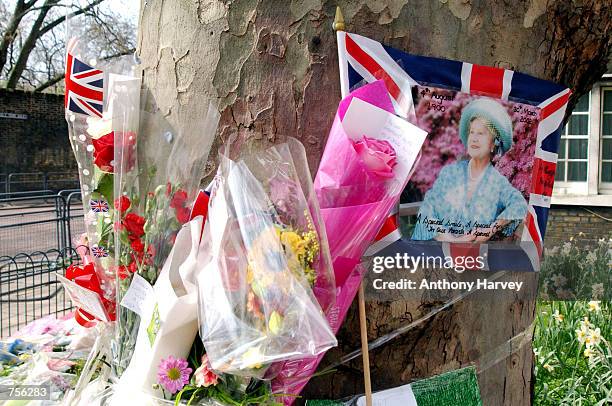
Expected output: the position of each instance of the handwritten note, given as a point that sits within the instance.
(139, 296)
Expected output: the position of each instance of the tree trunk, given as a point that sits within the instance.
(272, 65)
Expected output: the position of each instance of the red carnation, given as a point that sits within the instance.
(134, 225)
(104, 151)
(123, 272)
(138, 246)
(182, 214)
(122, 204)
(178, 200)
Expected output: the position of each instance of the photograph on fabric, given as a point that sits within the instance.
(475, 173)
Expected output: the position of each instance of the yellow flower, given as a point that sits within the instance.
(292, 240)
(594, 306)
(589, 353)
(549, 367)
(275, 323)
(249, 275)
(558, 316)
(252, 358)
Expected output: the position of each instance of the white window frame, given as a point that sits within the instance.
(604, 187)
(576, 187)
(592, 192)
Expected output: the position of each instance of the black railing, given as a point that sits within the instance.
(30, 289)
(23, 183)
(40, 223)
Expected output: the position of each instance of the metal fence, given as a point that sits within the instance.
(22, 183)
(29, 288)
(40, 223)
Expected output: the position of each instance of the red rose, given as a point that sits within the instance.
(132, 267)
(104, 151)
(178, 200)
(137, 246)
(182, 214)
(134, 225)
(122, 204)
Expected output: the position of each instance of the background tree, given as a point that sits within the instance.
(32, 38)
(272, 67)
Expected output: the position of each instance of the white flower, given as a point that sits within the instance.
(558, 316)
(536, 351)
(582, 335)
(589, 353)
(591, 257)
(558, 280)
(594, 337)
(548, 367)
(567, 246)
(594, 306)
(597, 290)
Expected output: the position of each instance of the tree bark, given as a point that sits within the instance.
(272, 67)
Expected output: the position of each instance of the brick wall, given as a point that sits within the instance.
(38, 143)
(567, 221)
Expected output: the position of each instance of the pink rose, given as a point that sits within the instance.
(378, 155)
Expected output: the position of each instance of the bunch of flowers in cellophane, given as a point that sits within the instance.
(154, 193)
(90, 117)
(365, 166)
(266, 276)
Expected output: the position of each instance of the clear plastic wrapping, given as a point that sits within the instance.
(159, 171)
(266, 273)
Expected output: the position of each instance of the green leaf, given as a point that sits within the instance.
(105, 187)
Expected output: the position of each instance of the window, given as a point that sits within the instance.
(606, 137)
(573, 150)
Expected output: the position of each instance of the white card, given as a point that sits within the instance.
(84, 298)
(363, 118)
(139, 296)
(400, 396)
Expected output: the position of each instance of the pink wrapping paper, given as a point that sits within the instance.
(354, 205)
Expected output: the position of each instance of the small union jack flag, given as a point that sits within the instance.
(98, 206)
(99, 252)
(84, 87)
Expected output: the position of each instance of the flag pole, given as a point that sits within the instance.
(339, 26)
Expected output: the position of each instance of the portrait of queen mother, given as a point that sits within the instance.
(471, 192)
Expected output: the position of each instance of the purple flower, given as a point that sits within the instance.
(173, 374)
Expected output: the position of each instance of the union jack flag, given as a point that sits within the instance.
(363, 60)
(98, 206)
(84, 87)
(99, 252)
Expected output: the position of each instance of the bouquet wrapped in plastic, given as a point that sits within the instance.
(365, 166)
(156, 183)
(266, 277)
(91, 117)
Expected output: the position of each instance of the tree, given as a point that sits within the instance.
(272, 67)
(32, 42)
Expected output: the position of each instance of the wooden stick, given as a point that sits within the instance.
(363, 329)
(339, 25)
